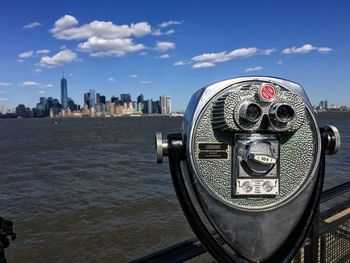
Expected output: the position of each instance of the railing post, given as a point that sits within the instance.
(323, 249)
(311, 249)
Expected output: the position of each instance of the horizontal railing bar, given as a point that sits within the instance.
(179, 252)
(334, 192)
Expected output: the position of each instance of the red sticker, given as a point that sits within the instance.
(267, 92)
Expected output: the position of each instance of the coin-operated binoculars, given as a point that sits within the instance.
(250, 160)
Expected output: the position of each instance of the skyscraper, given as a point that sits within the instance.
(147, 107)
(87, 99)
(165, 104)
(92, 98)
(103, 99)
(125, 98)
(64, 93)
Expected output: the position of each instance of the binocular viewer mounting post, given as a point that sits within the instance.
(250, 160)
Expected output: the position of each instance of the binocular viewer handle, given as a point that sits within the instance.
(161, 147)
(333, 139)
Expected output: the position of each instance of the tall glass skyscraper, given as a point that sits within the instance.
(64, 93)
(92, 98)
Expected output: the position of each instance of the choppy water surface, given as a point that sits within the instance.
(88, 190)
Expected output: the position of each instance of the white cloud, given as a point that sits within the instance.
(37, 70)
(41, 92)
(164, 46)
(27, 54)
(170, 23)
(99, 47)
(324, 49)
(34, 84)
(210, 59)
(30, 84)
(165, 56)
(61, 58)
(31, 53)
(158, 32)
(63, 23)
(203, 65)
(243, 52)
(279, 62)
(4, 99)
(145, 81)
(143, 53)
(134, 76)
(31, 25)
(225, 56)
(104, 38)
(100, 29)
(140, 29)
(268, 52)
(181, 63)
(258, 68)
(306, 49)
(42, 51)
(111, 79)
(5, 84)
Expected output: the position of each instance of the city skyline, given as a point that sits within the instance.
(95, 105)
(170, 48)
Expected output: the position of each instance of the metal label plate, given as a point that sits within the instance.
(212, 150)
(257, 186)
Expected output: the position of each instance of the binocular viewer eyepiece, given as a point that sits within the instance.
(250, 160)
(250, 112)
(279, 112)
(282, 112)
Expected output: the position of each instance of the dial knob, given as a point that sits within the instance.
(259, 158)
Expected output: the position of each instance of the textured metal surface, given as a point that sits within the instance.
(298, 150)
(226, 109)
(202, 96)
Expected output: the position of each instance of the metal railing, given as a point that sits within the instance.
(329, 240)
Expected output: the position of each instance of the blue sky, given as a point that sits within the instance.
(170, 47)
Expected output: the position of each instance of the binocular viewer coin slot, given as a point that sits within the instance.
(250, 160)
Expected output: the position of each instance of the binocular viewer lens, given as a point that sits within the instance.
(250, 112)
(282, 112)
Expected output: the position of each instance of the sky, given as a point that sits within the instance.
(170, 47)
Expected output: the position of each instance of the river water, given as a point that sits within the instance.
(88, 190)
